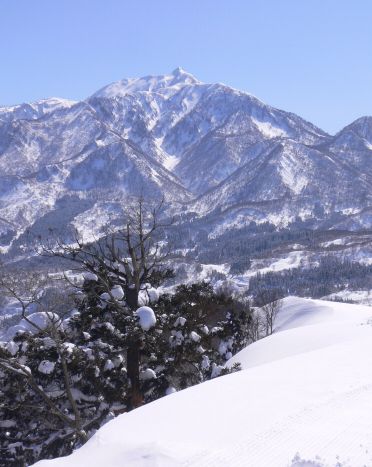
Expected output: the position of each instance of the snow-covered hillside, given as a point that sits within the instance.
(304, 398)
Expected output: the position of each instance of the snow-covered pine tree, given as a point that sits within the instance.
(126, 260)
(121, 347)
(188, 342)
(45, 410)
(59, 383)
(197, 333)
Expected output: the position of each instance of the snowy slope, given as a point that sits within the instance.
(305, 395)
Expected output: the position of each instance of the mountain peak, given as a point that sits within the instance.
(152, 83)
(361, 127)
(181, 76)
(179, 71)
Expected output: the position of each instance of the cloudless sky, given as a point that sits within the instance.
(311, 57)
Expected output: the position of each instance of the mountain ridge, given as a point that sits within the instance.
(203, 147)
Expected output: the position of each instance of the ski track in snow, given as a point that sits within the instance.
(264, 449)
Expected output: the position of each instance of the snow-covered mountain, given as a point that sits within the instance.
(290, 180)
(208, 149)
(302, 399)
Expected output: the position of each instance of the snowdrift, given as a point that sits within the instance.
(304, 398)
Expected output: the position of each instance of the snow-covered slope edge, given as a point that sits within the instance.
(305, 390)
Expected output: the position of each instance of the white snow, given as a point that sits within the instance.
(166, 85)
(148, 295)
(180, 321)
(34, 322)
(105, 296)
(89, 276)
(268, 130)
(146, 317)
(205, 364)
(143, 298)
(68, 347)
(303, 398)
(363, 297)
(39, 108)
(170, 162)
(225, 347)
(194, 336)
(12, 347)
(117, 292)
(153, 295)
(41, 319)
(291, 260)
(290, 173)
(147, 374)
(109, 365)
(46, 367)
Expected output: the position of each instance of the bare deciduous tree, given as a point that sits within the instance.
(255, 327)
(270, 304)
(271, 311)
(28, 289)
(130, 257)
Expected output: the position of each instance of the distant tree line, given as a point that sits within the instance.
(238, 247)
(330, 276)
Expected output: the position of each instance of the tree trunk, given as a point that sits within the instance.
(133, 368)
(133, 357)
(131, 297)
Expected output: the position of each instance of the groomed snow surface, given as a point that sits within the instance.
(303, 399)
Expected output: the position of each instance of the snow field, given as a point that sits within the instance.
(304, 398)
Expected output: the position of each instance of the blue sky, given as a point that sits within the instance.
(310, 57)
